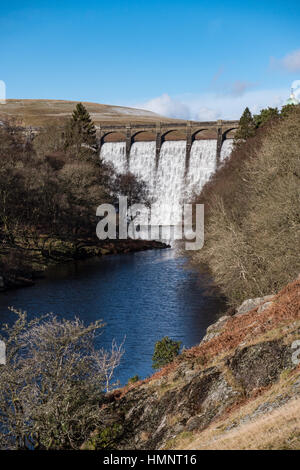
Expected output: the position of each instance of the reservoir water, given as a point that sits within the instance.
(143, 296)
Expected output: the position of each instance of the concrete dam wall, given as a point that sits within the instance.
(174, 167)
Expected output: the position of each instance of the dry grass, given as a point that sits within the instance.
(243, 428)
(277, 430)
(45, 112)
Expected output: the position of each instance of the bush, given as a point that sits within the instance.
(53, 383)
(165, 352)
(133, 379)
(265, 116)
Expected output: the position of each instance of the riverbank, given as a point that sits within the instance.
(35, 261)
(142, 295)
(238, 389)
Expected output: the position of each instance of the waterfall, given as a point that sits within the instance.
(169, 185)
(202, 165)
(115, 152)
(226, 149)
(142, 163)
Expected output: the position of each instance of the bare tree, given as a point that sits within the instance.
(109, 360)
(52, 386)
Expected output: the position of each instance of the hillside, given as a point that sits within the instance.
(252, 212)
(41, 112)
(238, 389)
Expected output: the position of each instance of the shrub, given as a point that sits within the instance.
(53, 383)
(265, 116)
(165, 352)
(133, 379)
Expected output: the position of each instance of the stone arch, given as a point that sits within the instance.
(143, 136)
(228, 131)
(113, 136)
(204, 133)
(173, 134)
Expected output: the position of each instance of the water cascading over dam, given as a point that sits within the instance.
(170, 182)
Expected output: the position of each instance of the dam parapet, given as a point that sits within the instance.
(161, 132)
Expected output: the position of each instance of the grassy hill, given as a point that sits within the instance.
(41, 112)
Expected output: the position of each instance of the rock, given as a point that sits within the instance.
(260, 365)
(195, 422)
(264, 306)
(249, 304)
(190, 374)
(215, 329)
(179, 428)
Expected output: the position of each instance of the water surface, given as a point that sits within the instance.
(145, 296)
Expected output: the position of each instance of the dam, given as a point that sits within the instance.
(174, 159)
(161, 132)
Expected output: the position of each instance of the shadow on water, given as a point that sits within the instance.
(144, 296)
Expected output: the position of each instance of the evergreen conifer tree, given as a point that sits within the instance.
(83, 124)
(246, 127)
(165, 352)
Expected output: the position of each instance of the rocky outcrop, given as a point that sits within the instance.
(239, 358)
(249, 304)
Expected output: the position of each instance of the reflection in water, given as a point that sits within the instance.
(144, 296)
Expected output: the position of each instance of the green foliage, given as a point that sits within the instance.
(80, 135)
(83, 124)
(246, 127)
(248, 123)
(265, 115)
(104, 438)
(165, 352)
(287, 110)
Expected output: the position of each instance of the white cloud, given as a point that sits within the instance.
(212, 106)
(167, 106)
(290, 62)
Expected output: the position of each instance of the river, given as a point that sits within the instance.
(143, 296)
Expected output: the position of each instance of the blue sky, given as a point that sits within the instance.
(191, 59)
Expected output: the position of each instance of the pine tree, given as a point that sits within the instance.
(81, 132)
(165, 352)
(81, 120)
(246, 127)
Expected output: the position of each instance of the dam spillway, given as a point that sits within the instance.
(171, 180)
